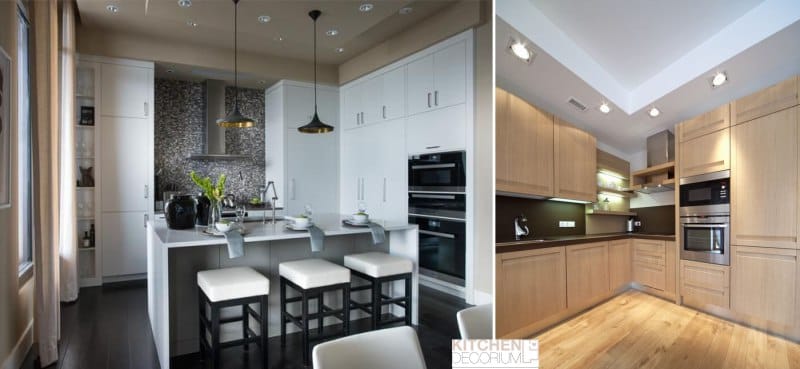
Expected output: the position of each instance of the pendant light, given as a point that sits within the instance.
(316, 125)
(235, 119)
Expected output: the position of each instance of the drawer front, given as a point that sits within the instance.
(649, 252)
(649, 275)
(705, 284)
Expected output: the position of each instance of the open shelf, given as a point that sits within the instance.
(606, 190)
(656, 169)
(610, 212)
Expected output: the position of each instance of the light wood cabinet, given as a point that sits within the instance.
(767, 101)
(764, 285)
(705, 154)
(575, 163)
(649, 263)
(671, 268)
(524, 141)
(587, 274)
(619, 263)
(712, 121)
(704, 285)
(764, 179)
(531, 287)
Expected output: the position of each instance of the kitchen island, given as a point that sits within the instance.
(175, 256)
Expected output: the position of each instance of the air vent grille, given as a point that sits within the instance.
(575, 103)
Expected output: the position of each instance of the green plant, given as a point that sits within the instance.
(215, 192)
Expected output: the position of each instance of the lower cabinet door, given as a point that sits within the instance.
(764, 285)
(619, 263)
(531, 288)
(587, 274)
(649, 274)
(123, 244)
(704, 285)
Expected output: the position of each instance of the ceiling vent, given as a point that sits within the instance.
(575, 103)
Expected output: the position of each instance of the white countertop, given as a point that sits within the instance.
(331, 224)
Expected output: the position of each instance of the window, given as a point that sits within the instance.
(24, 146)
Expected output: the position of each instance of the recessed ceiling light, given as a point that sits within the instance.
(184, 3)
(112, 8)
(365, 7)
(332, 32)
(191, 23)
(278, 38)
(264, 18)
(520, 50)
(605, 108)
(170, 71)
(406, 10)
(719, 79)
(339, 50)
(654, 112)
(262, 82)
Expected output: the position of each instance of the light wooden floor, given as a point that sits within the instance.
(636, 330)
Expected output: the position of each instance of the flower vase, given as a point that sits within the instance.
(214, 213)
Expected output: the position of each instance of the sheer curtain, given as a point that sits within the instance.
(45, 178)
(67, 235)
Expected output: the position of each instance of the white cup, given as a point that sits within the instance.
(301, 222)
(360, 218)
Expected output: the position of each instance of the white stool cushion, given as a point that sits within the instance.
(232, 283)
(391, 348)
(313, 273)
(378, 264)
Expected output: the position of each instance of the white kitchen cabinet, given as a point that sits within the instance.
(125, 162)
(437, 131)
(437, 80)
(352, 105)
(377, 99)
(126, 91)
(303, 166)
(374, 171)
(124, 244)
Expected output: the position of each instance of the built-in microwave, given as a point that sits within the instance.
(705, 194)
(441, 172)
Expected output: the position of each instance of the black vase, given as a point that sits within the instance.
(180, 212)
(203, 210)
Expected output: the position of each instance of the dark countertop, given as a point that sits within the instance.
(544, 242)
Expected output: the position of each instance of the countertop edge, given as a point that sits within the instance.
(504, 247)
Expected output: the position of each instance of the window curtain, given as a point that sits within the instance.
(45, 173)
(68, 240)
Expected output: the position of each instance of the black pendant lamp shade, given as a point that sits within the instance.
(316, 125)
(235, 119)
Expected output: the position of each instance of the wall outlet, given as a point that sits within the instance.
(566, 224)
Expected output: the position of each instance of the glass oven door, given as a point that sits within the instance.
(442, 249)
(706, 242)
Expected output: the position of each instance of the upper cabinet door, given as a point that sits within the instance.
(575, 163)
(780, 96)
(420, 85)
(124, 167)
(712, 121)
(764, 181)
(394, 94)
(312, 170)
(372, 110)
(524, 147)
(705, 154)
(450, 76)
(299, 106)
(352, 107)
(126, 91)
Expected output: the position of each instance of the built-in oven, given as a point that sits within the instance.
(705, 218)
(439, 204)
(442, 248)
(442, 172)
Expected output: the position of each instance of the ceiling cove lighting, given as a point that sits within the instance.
(315, 125)
(185, 3)
(366, 7)
(112, 8)
(654, 112)
(719, 79)
(605, 108)
(264, 18)
(235, 119)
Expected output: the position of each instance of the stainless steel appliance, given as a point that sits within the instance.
(447, 206)
(705, 218)
(442, 172)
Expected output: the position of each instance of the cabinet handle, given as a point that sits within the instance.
(436, 97)
(146, 110)
(362, 117)
(358, 118)
(429, 99)
(146, 191)
(384, 112)
(384, 189)
(431, 147)
(146, 217)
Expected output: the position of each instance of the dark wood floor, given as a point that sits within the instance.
(108, 328)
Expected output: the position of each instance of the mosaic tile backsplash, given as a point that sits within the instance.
(180, 114)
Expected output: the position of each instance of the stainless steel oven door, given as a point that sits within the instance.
(706, 239)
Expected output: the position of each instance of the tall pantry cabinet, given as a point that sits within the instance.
(124, 173)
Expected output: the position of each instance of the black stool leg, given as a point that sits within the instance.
(320, 300)
(201, 317)
(409, 292)
(264, 331)
(376, 303)
(245, 326)
(305, 327)
(283, 312)
(346, 309)
(215, 350)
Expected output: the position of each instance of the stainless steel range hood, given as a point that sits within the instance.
(214, 135)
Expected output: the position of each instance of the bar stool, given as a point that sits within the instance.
(222, 288)
(312, 278)
(378, 268)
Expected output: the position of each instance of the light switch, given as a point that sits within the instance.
(566, 224)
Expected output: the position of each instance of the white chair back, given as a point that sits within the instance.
(476, 322)
(391, 348)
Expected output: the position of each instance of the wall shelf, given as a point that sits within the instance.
(612, 191)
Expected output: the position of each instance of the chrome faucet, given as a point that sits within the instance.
(520, 227)
(274, 199)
